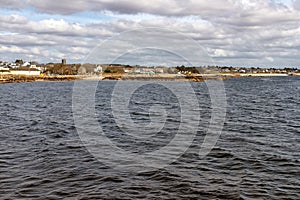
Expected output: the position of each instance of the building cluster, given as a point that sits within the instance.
(256, 70)
(137, 69)
(21, 67)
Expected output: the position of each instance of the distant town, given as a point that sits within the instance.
(63, 70)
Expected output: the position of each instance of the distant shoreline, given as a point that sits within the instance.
(142, 77)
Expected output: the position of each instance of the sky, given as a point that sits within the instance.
(250, 33)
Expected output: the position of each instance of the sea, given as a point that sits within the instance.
(45, 154)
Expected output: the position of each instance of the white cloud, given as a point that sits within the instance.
(13, 19)
(270, 59)
(220, 53)
(12, 49)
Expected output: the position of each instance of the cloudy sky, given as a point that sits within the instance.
(263, 33)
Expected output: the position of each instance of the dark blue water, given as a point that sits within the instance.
(257, 155)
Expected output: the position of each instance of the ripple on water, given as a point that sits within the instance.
(256, 157)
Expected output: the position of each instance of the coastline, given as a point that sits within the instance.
(141, 77)
(33, 78)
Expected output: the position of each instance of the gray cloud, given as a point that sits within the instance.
(166, 7)
(296, 4)
(13, 4)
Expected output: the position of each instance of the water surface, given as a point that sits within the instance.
(256, 157)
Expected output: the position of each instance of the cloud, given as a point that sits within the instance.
(157, 7)
(233, 32)
(296, 4)
(13, 19)
(19, 24)
(270, 59)
(221, 53)
(224, 44)
(13, 4)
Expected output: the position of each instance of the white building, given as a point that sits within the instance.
(13, 65)
(25, 72)
(26, 64)
(98, 69)
(4, 70)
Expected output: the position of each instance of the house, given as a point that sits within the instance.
(98, 69)
(25, 72)
(26, 64)
(4, 70)
(159, 70)
(137, 70)
(13, 65)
